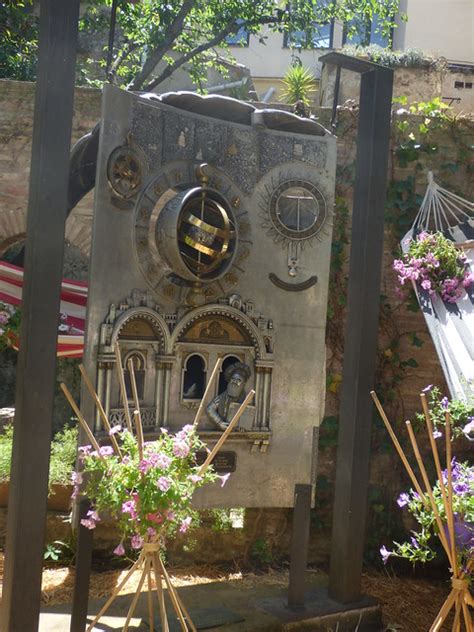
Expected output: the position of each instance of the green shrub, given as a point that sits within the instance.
(63, 455)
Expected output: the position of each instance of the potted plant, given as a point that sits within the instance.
(437, 267)
(62, 462)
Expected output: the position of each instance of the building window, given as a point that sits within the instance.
(241, 38)
(317, 34)
(228, 361)
(194, 377)
(366, 32)
(139, 372)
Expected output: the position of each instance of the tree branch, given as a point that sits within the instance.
(156, 55)
(217, 39)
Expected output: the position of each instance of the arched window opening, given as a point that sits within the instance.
(194, 378)
(139, 371)
(231, 359)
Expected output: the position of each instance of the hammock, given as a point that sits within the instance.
(451, 325)
(73, 309)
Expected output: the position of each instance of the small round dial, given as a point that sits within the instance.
(297, 210)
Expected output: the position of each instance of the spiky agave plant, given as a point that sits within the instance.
(299, 85)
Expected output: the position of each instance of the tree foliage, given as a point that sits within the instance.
(154, 38)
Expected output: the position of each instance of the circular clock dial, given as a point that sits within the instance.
(297, 210)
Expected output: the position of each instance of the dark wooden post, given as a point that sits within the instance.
(299, 546)
(40, 311)
(360, 344)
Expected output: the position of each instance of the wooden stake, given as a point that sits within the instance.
(172, 596)
(138, 426)
(424, 475)
(467, 616)
(449, 513)
(160, 594)
(100, 408)
(113, 596)
(133, 605)
(209, 386)
(446, 502)
(443, 613)
(123, 389)
(82, 421)
(226, 433)
(399, 449)
(176, 594)
(150, 596)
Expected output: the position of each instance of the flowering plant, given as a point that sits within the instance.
(10, 319)
(148, 493)
(461, 413)
(419, 548)
(436, 265)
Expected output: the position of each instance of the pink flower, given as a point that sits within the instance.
(151, 533)
(136, 542)
(129, 507)
(119, 550)
(85, 450)
(195, 478)
(163, 461)
(4, 318)
(169, 514)
(426, 284)
(163, 484)
(115, 429)
(185, 524)
(156, 518)
(180, 448)
(106, 450)
(224, 479)
(468, 279)
(89, 524)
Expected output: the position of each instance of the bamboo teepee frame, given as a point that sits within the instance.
(149, 560)
(459, 598)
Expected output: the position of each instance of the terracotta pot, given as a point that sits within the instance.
(58, 500)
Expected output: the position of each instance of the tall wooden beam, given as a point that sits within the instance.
(360, 343)
(40, 315)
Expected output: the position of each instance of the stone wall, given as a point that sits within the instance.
(268, 532)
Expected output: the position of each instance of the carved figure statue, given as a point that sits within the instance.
(236, 375)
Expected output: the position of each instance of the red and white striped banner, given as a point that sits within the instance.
(73, 308)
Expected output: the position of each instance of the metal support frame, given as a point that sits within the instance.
(355, 419)
(36, 368)
(299, 546)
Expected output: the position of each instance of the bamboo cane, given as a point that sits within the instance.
(210, 384)
(114, 594)
(449, 512)
(133, 605)
(178, 598)
(100, 408)
(160, 594)
(446, 501)
(467, 616)
(443, 613)
(150, 596)
(424, 475)
(173, 597)
(138, 425)
(131, 370)
(123, 389)
(399, 449)
(226, 433)
(82, 421)
(457, 617)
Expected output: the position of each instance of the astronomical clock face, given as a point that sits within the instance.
(191, 234)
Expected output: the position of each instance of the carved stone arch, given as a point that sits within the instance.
(157, 328)
(247, 326)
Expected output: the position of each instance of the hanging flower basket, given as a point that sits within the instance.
(435, 264)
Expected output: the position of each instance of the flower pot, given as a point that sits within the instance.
(59, 498)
